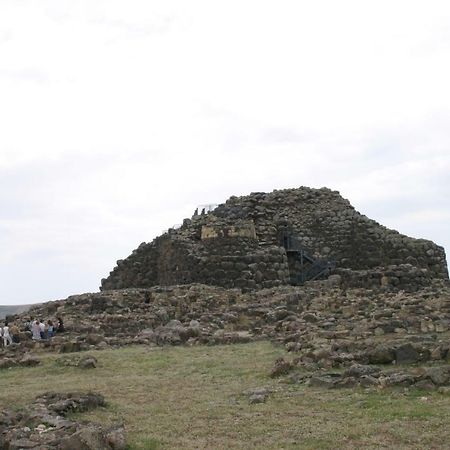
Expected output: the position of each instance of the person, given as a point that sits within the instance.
(29, 323)
(15, 333)
(6, 336)
(41, 329)
(60, 326)
(50, 329)
(35, 330)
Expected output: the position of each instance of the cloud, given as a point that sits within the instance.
(118, 121)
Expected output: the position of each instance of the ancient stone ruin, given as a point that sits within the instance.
(45, 425)
(285, 237)
(353, 303)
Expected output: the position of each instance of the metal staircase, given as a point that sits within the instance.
(307, 267)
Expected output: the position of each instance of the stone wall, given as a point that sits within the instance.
(238, 245)
(230, 259)
(400, 277)
(329, 226)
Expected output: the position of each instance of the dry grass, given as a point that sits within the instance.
(192, 398)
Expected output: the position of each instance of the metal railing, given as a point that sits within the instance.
(310, 267)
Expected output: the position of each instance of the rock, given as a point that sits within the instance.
(29, 361)
(85, 439)
(368, 380)
(381, 355)
(347, 382)
(437, 353)
(334, 280)
(72, 402)
(281, 367)
(49, 429)
(406, 354)
(147, 333)
(7, 363)
(309, 317)
(401, 379)
(23, 443)
(167, 336)
(327, 381)
(359, 370)
(194, 324)
(87, 362)
(258, 391)
(174, 324)
(439, 375)
(94, 339)
(69, 347)
(425, 384)
(257, 398)
(115, 437)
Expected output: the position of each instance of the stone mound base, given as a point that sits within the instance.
(44, 425)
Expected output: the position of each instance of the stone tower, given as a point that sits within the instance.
(283, 237)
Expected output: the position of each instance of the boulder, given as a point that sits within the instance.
(328, 381)
(94, 339)
(89, 438)
(87, 362)
(406, 354)
(257, 398)
(381, 354)
(360, 370)
(439, 375)
(70, 346)
(7, 363)
(29, 361)
(281, 367)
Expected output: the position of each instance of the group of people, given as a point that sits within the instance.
(38, 329)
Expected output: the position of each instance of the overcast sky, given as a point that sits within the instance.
(118, 118)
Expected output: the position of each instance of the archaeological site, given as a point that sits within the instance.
(285, 237)
(352, 303)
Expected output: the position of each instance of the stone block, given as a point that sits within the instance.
(406, 354)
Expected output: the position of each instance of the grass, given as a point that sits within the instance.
(178, 397)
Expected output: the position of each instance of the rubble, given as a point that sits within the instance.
(44, 425)
(321, 324)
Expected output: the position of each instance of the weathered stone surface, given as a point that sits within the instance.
(89, 438)
(87, 362)
(381, 354)
(70, 346)
(439, 375)
(7, 363)
(327, 381)
(327, 325)
(43, 426)
(257, 398)
(94, 339)
(281, 367)
(406, 354)
(360, 370)
(239, 244)
(29, 361)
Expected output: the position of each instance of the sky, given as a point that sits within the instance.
(117, 119)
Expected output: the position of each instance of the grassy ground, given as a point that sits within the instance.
(192, 398)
